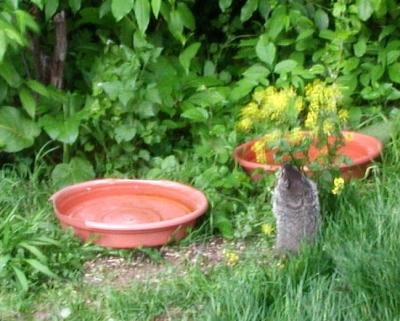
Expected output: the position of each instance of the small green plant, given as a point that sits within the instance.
(305, 130)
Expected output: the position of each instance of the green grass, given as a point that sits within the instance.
(351, 274)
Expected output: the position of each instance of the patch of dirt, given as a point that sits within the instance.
(168, 260)
(171, 315)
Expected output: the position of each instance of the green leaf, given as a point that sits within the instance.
(142, 14)
(394, 72)
(4, 259)
(327, 34)
(242, 88)
(105, 8)
(248, 9)
(365, 9)
(206, 98)
(155, 6)
(3, 44)
(369, 93)
(392, 56)
(350, 64)
(75, 5)
(224, 225)
(10, 74)
(21, 278)
(321, 19)
(196, 114)
(35, 251)
(61, 129)
(50, 8)
(38, 88)
(285, 66)
(304, 34)
(377, 72)
(124, 133)
(188, 54)
(77, 170)
(175, 25)
(186, 16)
(256, 72)
(277, 22)
(16, 131)
(265, 50)
(40, 267)
(39, 3)
(25, 20)
(360, 47)
(28, 102)
(120, 8)
(224, 4)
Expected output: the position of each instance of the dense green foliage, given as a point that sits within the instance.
(143, 78)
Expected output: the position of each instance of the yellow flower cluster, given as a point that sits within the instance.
(259, 146)
(269, 104)
(267, 229)
(296, 135)
(320, 95)
(231, 258)
(343, 115)
(338, 185)
(328, 127)
(290, 115)
(323, 100)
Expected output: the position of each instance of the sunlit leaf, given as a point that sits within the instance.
(16, 131)
(28, 102)
(77, 170)
(120, 8)
(142, 14)
(188, 54)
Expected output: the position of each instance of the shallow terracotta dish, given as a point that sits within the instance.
(123, 213)
(359, 148)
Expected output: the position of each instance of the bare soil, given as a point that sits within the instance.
(121, 272)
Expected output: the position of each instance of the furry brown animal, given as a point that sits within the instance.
(296, 207)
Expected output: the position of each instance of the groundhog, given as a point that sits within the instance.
(296, 207)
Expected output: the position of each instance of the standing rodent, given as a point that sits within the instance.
(296, 207)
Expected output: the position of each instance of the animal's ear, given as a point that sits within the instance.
(286, 183)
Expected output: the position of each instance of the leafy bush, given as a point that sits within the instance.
(138, 74)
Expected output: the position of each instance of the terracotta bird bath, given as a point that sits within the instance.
(360, 149)
(123, 213)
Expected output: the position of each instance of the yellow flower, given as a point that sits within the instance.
(250, 110)
(259, 147)
(343, 115)
(267, 229)
(338, 185)
(311, 120)
(299, 104)
(296, 135)
(231, 258)
(244, 124)
(348, 136)
(328, 127)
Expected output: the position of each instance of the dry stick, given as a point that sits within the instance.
(60, 51)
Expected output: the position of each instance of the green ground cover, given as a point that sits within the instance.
(351, 274)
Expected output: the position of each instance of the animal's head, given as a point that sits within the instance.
(292, 180)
